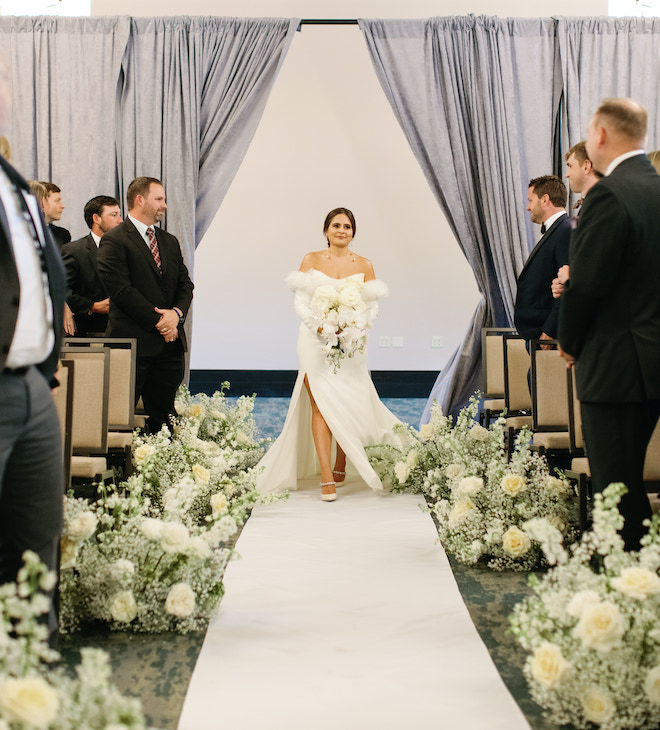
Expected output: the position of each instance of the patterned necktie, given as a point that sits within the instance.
(153, 245)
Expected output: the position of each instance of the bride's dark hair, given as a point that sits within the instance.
(339, 211)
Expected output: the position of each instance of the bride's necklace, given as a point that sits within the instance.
(351, 254)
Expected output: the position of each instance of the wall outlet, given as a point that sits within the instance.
(436, 341)
(397, 341)
(384, 341)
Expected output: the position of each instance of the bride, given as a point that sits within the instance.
(333, 394)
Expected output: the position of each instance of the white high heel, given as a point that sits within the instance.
(328, 496)
(339, 482)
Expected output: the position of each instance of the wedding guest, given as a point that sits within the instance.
(610, 310)
(5, 148)
(53, 209)
(655, 159)
(536, 312)
(86, 296)
(142, 271)
(32, 287)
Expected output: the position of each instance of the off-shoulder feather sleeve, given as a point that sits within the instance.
(302, 286)
(373, 290)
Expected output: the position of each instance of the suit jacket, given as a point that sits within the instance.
(610, 309)
(59, 234)
(83, 284)
(9, 283)
(135, 286)
(536, 311)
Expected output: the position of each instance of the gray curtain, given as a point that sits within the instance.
(609, 57)
(64, 75)
(193, 92)
(477, 98)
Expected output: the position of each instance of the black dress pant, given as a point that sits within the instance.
(157, 379)
(31, 475)
(616, 437)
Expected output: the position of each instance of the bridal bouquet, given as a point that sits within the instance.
(593, 627)
(342, 314)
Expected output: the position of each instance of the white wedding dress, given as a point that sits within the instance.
(347, 398)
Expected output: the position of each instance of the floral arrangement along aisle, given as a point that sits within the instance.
(481, 501)
(149, 555)
(35, 695)
(593, 627)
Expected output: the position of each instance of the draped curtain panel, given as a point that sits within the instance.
(193, 91)
(64, 74)
(477, 98)
(609, 57)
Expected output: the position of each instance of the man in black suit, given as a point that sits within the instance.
(86, 296)
(536, 311)
(53, 209)
(143, 273)
(610, 308)
(32, 285)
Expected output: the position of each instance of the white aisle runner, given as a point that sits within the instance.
(344, 615)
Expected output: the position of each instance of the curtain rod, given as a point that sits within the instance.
(327, 21)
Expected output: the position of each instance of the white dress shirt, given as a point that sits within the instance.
(618, 160)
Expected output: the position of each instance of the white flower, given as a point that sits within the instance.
(470, 485)
(601, 626)
(402, 471)
(637, 583)
(597, 705)
(463, 509)
(652, 685)
(453, 471)
(199, 547)
(117, 726)
(123, 607)
(413, 459)
(512, 484)
(174, 537)
(194, 410)
(82, 526)
(121, 569)
(218, 502)
(426, 432)
(170, 499)
(142, 452)
(515, 542)
(68, 553)
(179, 407)
(201, 474)
(557, 486)
(242, 439)
(151, 528)
(548, 664)
(29, 700)
(479, 433)
(180, 600)
(556, 522)
(580, 601)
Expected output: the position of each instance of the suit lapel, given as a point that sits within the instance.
(141, 244)
(542, 240)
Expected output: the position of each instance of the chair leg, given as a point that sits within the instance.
(583, 489)
(509, 443)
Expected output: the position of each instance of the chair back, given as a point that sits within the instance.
(90, 398)
(549, 388)
(516, 367)
(492, 354)
(121, 393)
(652, 462)
(63, 398)
(575, 437)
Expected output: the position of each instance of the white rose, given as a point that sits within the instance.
(601, 626)
(218, 502)
(82, 526)
(180, 600)
(123, 607)
(479, 433)
(194, 410)
(401, 471)
(349, 296)
(470, 485)
(461, 511)
(201, 474)
(557, 486)
(637, 583)
(652, 685)
(179, 407)
(426, 432)
(199, 547)
(548, 665)
(174, 537)
(242, 439)
(512, 484)
(515, 542)
(29, 700)
(453, 471)
(142, 452)
(151, 528)
(556, 522)
(121, 569)
(170, 499)
(580, 601)
(597, 705)
(68, 553)
(413, 459)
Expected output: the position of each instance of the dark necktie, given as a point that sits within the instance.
(543, 229)
(153, 245)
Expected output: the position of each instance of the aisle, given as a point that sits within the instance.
(344, 615)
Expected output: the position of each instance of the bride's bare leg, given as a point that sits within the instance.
(339, 472)
(322, 441)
